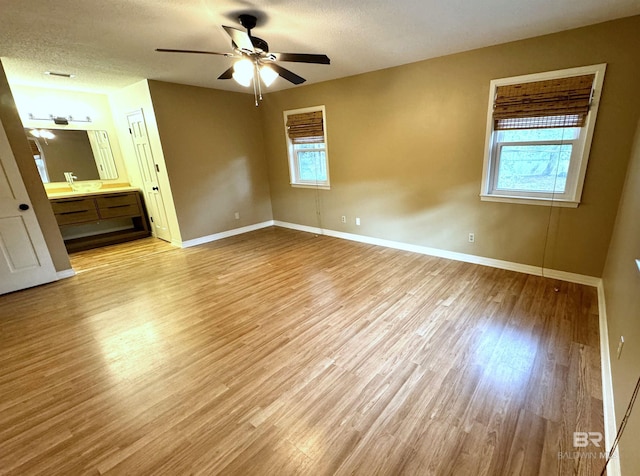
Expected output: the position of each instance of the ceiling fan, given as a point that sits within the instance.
(255, 60)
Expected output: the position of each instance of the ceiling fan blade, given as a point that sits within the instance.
(228, 74)
(302, 58)
(240, 38)
(288, 75)
(165, 50)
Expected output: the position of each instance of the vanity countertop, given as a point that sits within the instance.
(71, 194)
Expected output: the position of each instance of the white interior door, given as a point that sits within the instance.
(149, 173)
(99, 141)
(24, 257)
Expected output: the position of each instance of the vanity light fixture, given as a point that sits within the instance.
(60, 120)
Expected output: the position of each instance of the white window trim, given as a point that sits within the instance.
(294, 181)
(583, 144)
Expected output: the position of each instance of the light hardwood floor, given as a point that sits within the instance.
(278, 352)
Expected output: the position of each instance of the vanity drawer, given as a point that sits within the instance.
(117, 200)
(116, 211)
(73, 205)
(119, 205)
(72, 217)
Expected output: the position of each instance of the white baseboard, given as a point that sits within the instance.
(295, 226)
(65, 273)
(223, 234)
(610, 426)
(453, 255)
(573, 277)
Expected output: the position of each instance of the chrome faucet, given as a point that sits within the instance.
(70, 177)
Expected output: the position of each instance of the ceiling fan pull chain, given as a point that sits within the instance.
(255, 91)
(257, 80)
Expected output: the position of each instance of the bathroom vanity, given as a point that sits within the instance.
(91, 220)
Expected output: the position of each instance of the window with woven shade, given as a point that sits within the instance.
(307, 147)
(539, 132)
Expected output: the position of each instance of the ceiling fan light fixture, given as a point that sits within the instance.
(243, 72)
(255, 64)
(268, 75)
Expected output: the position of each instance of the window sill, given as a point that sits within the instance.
(545, 202)
(304, 185)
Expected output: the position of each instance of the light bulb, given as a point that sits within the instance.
(243, 72)
(268, 75)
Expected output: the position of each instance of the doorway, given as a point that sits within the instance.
(149, 170)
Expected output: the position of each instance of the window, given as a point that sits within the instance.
(307, 147)
(38, 156)
(539, 132)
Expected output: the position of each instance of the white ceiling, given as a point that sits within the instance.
(109, 44)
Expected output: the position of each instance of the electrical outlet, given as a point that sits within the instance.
(472, 237)
(358, 221)
(620, 346)
(237, 215)
(343, 219)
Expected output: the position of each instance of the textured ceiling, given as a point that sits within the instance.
(110, 44)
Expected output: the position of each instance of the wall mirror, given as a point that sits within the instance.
(87, 154)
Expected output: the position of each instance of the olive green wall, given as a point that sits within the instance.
(26, 164)
(214, 154)
(622, 295)
(406, 149)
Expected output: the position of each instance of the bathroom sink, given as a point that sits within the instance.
(86, 186)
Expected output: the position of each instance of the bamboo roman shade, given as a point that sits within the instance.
(562, 102)
(306, 128)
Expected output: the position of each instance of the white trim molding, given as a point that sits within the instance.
(529, 201)
(610, 426)
(65, 273)
(467, 258)
(295, 226)
(222, 234)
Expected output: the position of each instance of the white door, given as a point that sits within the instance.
(24, 257)
(99, 141)
(149, 173)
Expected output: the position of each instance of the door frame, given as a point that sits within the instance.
(161, 207)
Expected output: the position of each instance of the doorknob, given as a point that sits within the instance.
(154, 188)
(23, 207)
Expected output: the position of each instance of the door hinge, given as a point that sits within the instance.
(151, 218)
(157, 168)
(130, 131)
